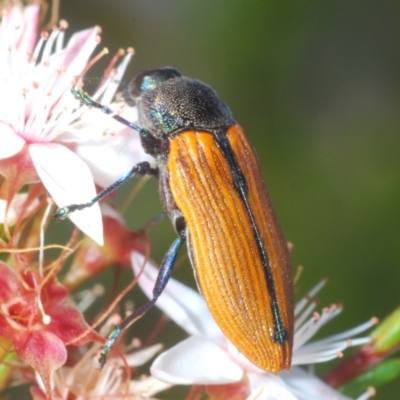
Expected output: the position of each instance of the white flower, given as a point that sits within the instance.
(44, 134)
(84, 380)
(208, 358)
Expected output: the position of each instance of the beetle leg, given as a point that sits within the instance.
(143, 168)
(162, 278)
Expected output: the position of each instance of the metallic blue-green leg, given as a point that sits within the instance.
(140, 169)
(162, 278)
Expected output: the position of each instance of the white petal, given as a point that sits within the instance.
(10, 143)
(77, 52)
(309, 387)
(110, 160)
(147, 387)
(272, 389)
(182, 304)
(198, 361)
(142, 356)
(109, 148)
(28, 38)
(69, 181)
(26, 19)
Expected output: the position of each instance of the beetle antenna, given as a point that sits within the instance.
(88, 101)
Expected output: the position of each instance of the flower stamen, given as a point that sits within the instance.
(78, 81)
(309, 296)
(368, 394)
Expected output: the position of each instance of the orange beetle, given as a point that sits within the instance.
(212, 189)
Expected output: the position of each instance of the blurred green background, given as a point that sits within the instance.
(315, 84)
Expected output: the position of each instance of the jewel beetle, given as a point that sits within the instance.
(212, 189)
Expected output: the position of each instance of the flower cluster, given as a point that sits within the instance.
(52, 151)
(51, 148)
